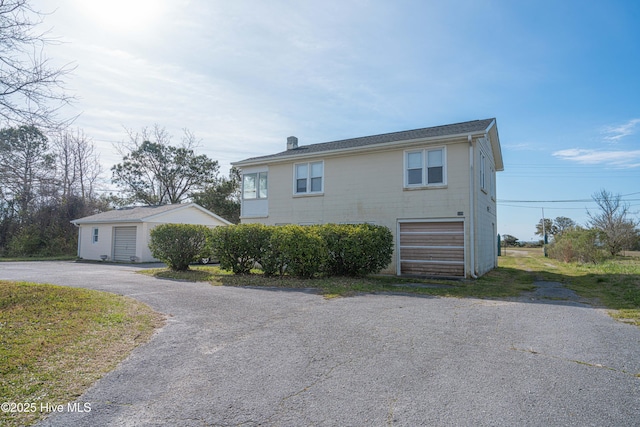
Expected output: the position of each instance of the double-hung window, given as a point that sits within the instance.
(483, 172)
(254, 185)
(492, 175)
(309, 178)
(425, 167)
(94, 235)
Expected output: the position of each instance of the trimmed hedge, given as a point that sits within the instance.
(178, 245)
(357, 250)
(303, 251)
(299, 250)
(239, 247)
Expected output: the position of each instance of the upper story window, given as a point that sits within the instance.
(425, 167)
(309, 178)
(483, 172)
(487, 176)
(492, 177)
(94, 235)
(254, 185)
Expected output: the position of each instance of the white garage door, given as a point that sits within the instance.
(124, 243)
(432, 248)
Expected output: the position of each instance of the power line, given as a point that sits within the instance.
(545, 207)
(499, 201)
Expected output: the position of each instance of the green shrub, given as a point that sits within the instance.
(35, 240)
(178, 245)
(303, 251)
(357, 250)
(300, 250)
(272, 261)
(240, 247)
(578, 245)
(26, 242)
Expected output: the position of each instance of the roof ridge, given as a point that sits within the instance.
(402, 131)
(370, 140)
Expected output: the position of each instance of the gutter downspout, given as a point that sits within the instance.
(472, 213)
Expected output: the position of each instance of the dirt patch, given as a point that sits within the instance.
(521, 252)
(553, 292)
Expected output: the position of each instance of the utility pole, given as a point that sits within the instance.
(544, 235)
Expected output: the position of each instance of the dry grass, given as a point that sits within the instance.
(615, 284)
(57, 341)
(497, 284)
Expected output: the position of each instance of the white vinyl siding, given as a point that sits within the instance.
(426, 167)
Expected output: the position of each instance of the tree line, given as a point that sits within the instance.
(49, 174)
(610, 228)
(47, 180)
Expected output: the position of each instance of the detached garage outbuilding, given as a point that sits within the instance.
(123, 234)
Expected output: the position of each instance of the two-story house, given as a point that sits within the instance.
(435, 188)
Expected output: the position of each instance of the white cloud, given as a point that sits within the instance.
(521, 146)
(615, 133)
(612, 158)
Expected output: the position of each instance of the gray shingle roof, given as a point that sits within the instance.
(133, 214)
(475, 126)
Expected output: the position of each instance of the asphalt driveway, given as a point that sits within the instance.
(239, 356)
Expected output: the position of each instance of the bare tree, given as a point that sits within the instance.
(78, 165)
(31, 89)
(617, 229)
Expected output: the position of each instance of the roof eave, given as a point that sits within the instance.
(151, 217)
(492, 129)
(103, 221)
(371, 147)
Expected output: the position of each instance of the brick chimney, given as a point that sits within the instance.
(292, 142)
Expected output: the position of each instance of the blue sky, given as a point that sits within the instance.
(561, 77)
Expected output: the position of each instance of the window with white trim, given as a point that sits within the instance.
(254, 185)
(94, 235)
(483, 172)
(492, 178)
(308, 178)
(425, 167)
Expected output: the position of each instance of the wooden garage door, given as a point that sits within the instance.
(124, 243)
(432, 248)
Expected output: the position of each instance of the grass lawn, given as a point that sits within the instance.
(56, 341)
(614, 284)
(497, 284)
